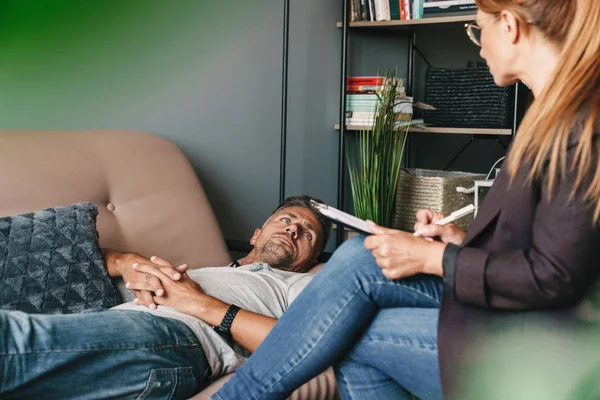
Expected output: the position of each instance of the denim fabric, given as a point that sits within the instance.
(351, 316)
(106, 354)
(394, 358)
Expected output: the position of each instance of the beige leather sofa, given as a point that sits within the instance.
(149, 199)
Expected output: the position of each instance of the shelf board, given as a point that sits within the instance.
(429, 129)
(410, 22)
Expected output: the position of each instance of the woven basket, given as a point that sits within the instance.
(467, 98)
(434, 190)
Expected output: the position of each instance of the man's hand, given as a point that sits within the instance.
(182, 294)
(124, 265)
(426, 227)
(185, 295)
(400, 254)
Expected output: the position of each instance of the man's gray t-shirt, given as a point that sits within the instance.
(254, 287)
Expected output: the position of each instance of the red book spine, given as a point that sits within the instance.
(364, 87)
(365, 81)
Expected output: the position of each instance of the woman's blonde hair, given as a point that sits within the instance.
(569, 101)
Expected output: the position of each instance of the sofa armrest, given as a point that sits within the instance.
(321, 387)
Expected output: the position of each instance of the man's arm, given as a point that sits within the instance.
(113, 261)
(248, 329)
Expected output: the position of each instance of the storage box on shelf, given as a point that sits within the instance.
(433, 190)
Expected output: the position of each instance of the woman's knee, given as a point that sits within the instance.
(353, 247)
(352, 257)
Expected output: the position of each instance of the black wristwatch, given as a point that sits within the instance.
(224, 328)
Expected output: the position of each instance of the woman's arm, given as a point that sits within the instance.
(555, 271)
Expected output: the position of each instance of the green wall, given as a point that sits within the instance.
(68, 64)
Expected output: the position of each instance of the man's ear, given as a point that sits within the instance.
(255, 236)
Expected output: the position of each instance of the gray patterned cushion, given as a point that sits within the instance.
(51, 262)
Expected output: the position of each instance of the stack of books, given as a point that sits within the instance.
(448, 8)
(362, 101)
(388, 10)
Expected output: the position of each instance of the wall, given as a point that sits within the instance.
(205, 74)
(313, 100)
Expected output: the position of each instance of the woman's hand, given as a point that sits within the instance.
(426, 227)
(401, 254)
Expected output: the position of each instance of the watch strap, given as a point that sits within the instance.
(224, 328)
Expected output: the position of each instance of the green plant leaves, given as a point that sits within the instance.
(374, 156)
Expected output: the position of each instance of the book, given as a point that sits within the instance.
(405, 107)
(386, 10)
(394, 9)
(365, 88)
(364, 16)
(355, 10)
(378, 10)
(418, 9)
(365, 81)
(361, 97)
(371, 10)
(371, 115)
(446, 3)
(449, 7)
(370, 122)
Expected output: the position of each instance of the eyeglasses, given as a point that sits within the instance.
(474, 33)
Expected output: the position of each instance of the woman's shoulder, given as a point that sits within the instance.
(581, 128)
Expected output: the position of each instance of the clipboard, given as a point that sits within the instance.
(343, 218)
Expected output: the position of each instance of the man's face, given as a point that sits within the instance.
(290, 239)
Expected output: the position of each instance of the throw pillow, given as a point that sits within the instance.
(51, 262)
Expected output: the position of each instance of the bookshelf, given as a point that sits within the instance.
(406, 24)
(409, 29)
(431, 129)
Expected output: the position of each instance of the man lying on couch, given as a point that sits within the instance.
(170, 350)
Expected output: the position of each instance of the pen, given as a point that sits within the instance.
(454, 216)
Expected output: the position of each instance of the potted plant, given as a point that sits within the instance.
(374, 154)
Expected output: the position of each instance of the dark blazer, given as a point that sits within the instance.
(523, 257)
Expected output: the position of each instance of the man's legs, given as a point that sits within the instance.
(394, 358)
(106, 354)
(325, 321)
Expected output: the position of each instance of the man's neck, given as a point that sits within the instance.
(249, 259)
(253, 258)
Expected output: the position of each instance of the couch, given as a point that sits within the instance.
(149, 198)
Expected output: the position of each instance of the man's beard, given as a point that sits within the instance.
(276, 254)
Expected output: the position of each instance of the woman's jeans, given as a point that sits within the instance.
(379, 334)
(113, 354)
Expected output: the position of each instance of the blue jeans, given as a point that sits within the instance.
(106, 354)
(380, 335)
